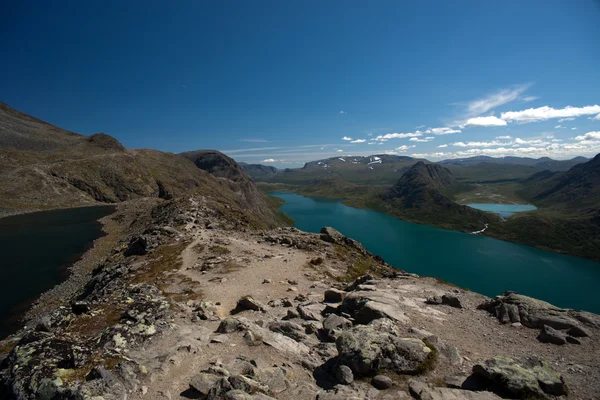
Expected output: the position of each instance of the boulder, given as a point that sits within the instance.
(381, 382)
(440, 393)
(532, 313)
(333, 295)
(248, 303)
(203, 383)
(551, 335)
(273, 377)
(336, 322)
(311, 312)
(329, 234)
(451, 300)
(366, 306)
(344, 375)
(289, 329)
(367, 351)
(531, 377)
(232, 324)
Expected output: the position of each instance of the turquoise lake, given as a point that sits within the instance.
(481, 264)
(503, 210)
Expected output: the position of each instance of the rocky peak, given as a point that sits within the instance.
(217, 164)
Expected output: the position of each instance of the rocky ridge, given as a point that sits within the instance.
(192, 304)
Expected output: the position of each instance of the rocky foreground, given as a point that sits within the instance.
(191, 304)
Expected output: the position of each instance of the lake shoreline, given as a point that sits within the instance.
(472, 263)
(27, 310)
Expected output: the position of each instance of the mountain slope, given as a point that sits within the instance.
(44, 167)
(422, 195)
(258, 171)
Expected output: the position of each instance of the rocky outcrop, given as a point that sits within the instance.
(367, 351)
(555, 323)
(530, 378)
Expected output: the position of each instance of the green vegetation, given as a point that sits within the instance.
(431, 360)
(219, 250)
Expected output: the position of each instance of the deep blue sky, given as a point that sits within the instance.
(239, 75)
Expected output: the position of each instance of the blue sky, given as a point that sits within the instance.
(288, 81)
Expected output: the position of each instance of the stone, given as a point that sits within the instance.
(529, 377)
(573, 340)
(273, 378)
(551, 335)
(203, 382)
(451, 300)
(367, 351)
(266, 281)
(336, 322)
(381, 382)
(246, 384)
(439, 393)
(222, 338)
(44, 324)
(333, 295)
(435, 300)
(251, 339)
(366, 306)
(359, 281)
(231, 324)
(289, 329)
(331, 235)
(80, 307)
(533, 313)
(344, 375)
(291, 314)
(249, 303)
(311, 312)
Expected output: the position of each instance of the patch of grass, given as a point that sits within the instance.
(7, 346)
(199, 247)
(317, 261)
(219, 250)
(88, 326)
(431, 360)
(164, 259)
(230, 266)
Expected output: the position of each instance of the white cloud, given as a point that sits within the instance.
(347, 138)
(497, 99)
(424, 140)
(545, 112)
(573, 129)
(270, 160)
(529, 98)
(478, 144)
(589, 136)
(566, 119)
(441, 146)
(531, 142)
(596, 118)
(340, 151)
(558, 127)
(486, 121)
(342, 112)
(403, 148)
(387, 136)
(503, 137)
(443, 131)
(358, 141)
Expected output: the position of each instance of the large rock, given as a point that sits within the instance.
(311, 312)
(289, 329)
(336, 322)
(329, 234)
(532, 313)
(367, 351)
(425, 392)
(531, 377)
(551, 335)
(366, 306)
(248, 303)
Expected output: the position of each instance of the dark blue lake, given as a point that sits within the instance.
(37, 250)
(481, 264)
(503, 210)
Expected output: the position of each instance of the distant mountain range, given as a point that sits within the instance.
(543, 162)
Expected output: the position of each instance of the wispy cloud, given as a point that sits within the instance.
(529, 98)
(442, 146)
(545, 112)
(358, 141)
(443, 131)
(271, 160)
(503, 137)
(424, 140)
(589, 136)
(483, 105)
(347, 138)
(403, 148)
(388, 136)
(254, 140)
(566, 119)
(342, 112)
